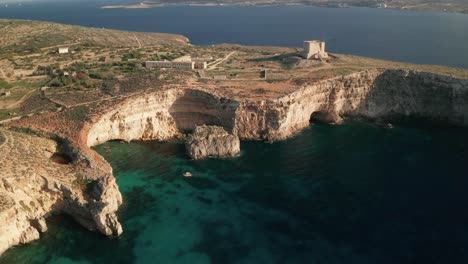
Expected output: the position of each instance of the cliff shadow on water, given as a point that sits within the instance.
(415, 98)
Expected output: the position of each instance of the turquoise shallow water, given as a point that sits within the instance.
(353, 193)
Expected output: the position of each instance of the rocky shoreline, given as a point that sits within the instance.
(87, 191)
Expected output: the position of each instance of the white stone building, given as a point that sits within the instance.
(63, 50)
(314, 49)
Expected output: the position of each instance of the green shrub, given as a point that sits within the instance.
(95, 75)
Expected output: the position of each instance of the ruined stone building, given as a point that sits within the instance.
(314, 49)
(170, 64)
(184, 62)
(201, 65)
(6, 93)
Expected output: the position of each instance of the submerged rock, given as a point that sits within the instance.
(212, 142)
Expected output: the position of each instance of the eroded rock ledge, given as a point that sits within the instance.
(40, 187)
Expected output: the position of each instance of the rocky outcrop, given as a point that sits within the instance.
(212, 142)
(33, 186)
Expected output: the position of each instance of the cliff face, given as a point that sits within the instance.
(375, 94)
(162, 115)
(33, 187)
(414, 94)
(36, 182)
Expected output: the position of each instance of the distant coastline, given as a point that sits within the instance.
(144, 5)
(141, 5)
(409, 5)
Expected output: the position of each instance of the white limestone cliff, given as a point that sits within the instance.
(370, 94)
(33, 187)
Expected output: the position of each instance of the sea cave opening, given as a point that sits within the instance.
(196, 108)
(321, 117)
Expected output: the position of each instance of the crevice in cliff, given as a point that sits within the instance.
(61, 158)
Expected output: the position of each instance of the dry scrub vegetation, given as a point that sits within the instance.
(105, 66)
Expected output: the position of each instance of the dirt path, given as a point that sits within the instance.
(94, 101)
(415, 6)
(103, 99)
(214, 65)
(17, 103)
(68, 64)
(5, 28)
(7, 144)
(138, 41)
(3, 139)
(2, 74)
(62, 45)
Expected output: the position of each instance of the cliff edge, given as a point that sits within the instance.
(33, 185)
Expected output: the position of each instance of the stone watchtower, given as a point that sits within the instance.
(314, 49)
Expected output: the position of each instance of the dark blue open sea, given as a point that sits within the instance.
(352, 193)
(418, 37)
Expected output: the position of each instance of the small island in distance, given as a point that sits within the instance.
(453, 6)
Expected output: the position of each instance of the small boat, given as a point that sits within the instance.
(107, 149)
(187, 174)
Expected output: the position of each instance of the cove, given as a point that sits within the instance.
(350, 193)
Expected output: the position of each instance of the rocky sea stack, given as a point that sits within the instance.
(212, 142)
